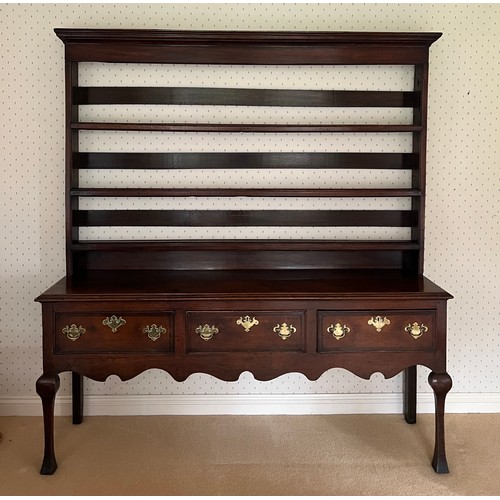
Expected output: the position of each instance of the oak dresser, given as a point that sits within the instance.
(353, 296)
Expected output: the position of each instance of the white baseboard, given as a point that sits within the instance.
(253, 404)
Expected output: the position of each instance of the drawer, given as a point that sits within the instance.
(376, 330)
(114, 332)
(245, 331)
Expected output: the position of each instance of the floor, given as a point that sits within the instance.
(252, 455)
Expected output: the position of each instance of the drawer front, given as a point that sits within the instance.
(376, 330)
(245, 331)
(87, 332)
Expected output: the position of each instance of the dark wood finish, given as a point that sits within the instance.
(257, 47)
(239, 218)
(234, 337)
(129, 338)
(258, 128)
(265, 192)
(288, 294)
(410, 394)
(364, 337)
(100, 160)
(441, 384)
(243, 97)
(199, 260)
(269, 306)
(77, 399)
(47, 387)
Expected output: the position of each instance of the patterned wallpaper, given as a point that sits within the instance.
(462, 236)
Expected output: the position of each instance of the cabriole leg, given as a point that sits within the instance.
(441, 384)
(410, 394)
(77, 397)
(47, 387)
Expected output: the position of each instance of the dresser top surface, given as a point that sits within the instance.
(241, 284)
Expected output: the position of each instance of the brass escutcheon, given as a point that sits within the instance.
(338, 331)
(247, 322)
(284, 331)
(73, 332)
(206, 332)
(416, 330)
(379, 322)
(154, 332)
(114, 323)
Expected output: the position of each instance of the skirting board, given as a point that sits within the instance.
(252, 404)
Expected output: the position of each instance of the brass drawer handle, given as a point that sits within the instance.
(284, 331)
(114, 323)
(379, 322)
(416, 330)
(206, 332)
(247, 322)
(73, 332)
(154, 332)
(338, 331)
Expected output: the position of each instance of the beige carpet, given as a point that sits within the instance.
(251, 455)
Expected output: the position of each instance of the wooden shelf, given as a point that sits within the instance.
(254, 192)
(246, 128)
(249, 245)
